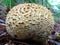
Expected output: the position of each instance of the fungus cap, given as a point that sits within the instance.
(27, 20)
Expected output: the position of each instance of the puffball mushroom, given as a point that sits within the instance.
(29, 20)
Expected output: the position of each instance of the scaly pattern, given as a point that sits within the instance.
(28, 20)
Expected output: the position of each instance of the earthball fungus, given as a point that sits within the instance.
(29, 20)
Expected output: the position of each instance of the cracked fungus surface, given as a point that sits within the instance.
(28, 20)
